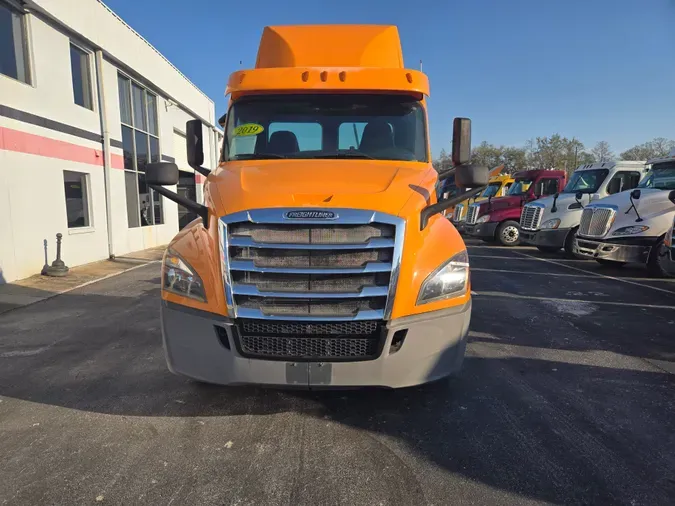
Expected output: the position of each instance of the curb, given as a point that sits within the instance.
(91, 282)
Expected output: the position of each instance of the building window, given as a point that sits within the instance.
(79, 66)
(140, 144)
(13, 46)
(77, 199)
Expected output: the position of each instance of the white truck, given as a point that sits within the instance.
(552, 222)
(632, 226)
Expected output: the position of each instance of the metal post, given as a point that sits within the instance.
(58, 267)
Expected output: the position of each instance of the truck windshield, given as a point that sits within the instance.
(660, 177)
(520, 187)
(378, 127)
(491, 190)
(586, 181)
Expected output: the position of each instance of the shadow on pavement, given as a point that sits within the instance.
(552, 431)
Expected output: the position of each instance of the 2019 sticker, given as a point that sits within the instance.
(248, 129)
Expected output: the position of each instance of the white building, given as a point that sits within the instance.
(85, 102)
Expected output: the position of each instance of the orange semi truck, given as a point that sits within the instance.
(320, 257)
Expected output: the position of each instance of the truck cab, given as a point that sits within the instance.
(497, 187)
(552, 222)
(320, 257)
(631, 226)
(498, 219)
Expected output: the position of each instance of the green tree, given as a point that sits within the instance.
(656, 148)
(602, 152)
(487, 154)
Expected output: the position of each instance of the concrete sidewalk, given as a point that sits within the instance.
(37, 288)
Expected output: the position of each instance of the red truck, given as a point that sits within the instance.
(499, 219)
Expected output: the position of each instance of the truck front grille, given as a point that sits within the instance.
(596, 221)
(530, 219)
(472, 214)
(329, 341)
(458, 214)
(288, 269)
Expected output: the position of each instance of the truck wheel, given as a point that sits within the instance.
(658, 261)
(609, 263)
(508, 233)
(548, 249)
(569, 243)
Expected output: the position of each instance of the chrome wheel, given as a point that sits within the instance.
(510, 234)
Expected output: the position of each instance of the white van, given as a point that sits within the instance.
(551, 223)
(632, 226)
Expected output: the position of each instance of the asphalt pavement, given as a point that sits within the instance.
(566, 396)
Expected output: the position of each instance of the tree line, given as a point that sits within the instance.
(555, 152)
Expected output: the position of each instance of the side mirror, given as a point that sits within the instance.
(614, 186)
(461, 141)
(635, 194)
(671, 196)
(194, 143)
(161, 174)
(471, 176)
(578, 195)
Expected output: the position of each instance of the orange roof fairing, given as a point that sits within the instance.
(329, 57)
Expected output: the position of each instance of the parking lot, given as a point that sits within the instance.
(566, 396)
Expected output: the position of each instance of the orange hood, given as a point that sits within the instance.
(384, 186)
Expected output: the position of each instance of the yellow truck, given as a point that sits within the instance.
(320, 257)
(498, 185)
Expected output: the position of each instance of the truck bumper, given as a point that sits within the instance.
(433, 348)
(617, 252)
(552, 238)
(481, 230)
(459, 225)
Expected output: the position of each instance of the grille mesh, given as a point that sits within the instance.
(472, 214)
(309, 347)
(530, 219)
(303, 340)
(304, 234)
(458, 214)
(310, 258)
(314, 307)
(595, 221)
(355, 328)
(310, 282)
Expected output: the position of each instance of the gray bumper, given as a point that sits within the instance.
(482, 230)
(611, 251)
(552, 238)
(433, 348)
(459, 225)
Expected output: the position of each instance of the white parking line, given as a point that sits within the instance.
(596, 273)
(561, 274)
(504, 295)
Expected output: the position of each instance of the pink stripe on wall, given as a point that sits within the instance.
(23, 142)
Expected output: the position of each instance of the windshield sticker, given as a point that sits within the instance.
(248, 129)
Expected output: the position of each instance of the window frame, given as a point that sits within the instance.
(546, 180)
(16, 7)
(85, 181)
(90, 81)
(619, 173)
(134, 130)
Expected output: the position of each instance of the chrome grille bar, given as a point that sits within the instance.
(276, 267)
(596, 221)
(530, 218)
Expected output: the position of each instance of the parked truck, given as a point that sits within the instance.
(499, 219)
(552, 222)
(631, 226)
(320, 258)
(497, 187)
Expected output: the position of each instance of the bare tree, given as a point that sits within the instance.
(602, 152)
(657, 148)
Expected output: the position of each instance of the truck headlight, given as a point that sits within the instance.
(554, 223)
(634, 229)
(483, 219)
(449, 280)
(180, 278)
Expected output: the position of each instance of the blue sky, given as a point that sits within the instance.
(594, 69)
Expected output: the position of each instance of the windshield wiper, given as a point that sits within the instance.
(258, 156)
(349, 154)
